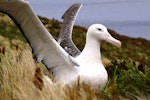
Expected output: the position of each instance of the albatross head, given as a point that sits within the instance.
(100, 32)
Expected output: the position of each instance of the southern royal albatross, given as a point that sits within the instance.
(87, 65)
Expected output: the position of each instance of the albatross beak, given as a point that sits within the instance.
(112, 40)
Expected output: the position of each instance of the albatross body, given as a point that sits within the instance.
(66, 69)
(92, 70)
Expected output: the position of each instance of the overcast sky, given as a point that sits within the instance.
(105, 9)
(99, 11)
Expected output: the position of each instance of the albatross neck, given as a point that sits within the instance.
(91, 50)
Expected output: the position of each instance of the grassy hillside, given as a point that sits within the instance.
(132, 48)
(136, 49)
(128, 67)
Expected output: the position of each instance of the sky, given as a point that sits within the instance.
(109, 12)
(105, 9)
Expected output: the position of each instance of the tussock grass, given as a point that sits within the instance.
(16, 78)
(127, 79)
(16, 75)
(128, 68)
(16, 81)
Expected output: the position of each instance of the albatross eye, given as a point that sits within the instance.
(99, 29)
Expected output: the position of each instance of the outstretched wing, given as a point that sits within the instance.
(43, 45)
(65, 36)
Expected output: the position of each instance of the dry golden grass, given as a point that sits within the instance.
(16, 75)
(16, 78)
(17, 70)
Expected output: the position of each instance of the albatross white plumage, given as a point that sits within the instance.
(91, 56)
(87, 65)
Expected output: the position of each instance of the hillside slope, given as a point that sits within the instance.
(137, 49)
(129, 75)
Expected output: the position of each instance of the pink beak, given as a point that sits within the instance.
(112, 40)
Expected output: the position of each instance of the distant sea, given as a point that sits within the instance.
(127, 17)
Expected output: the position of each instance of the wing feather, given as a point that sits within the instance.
(65, 36)
(43, 45)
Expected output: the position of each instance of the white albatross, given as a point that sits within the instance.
(87, 65)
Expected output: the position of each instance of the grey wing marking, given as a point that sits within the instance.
(65, 36)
